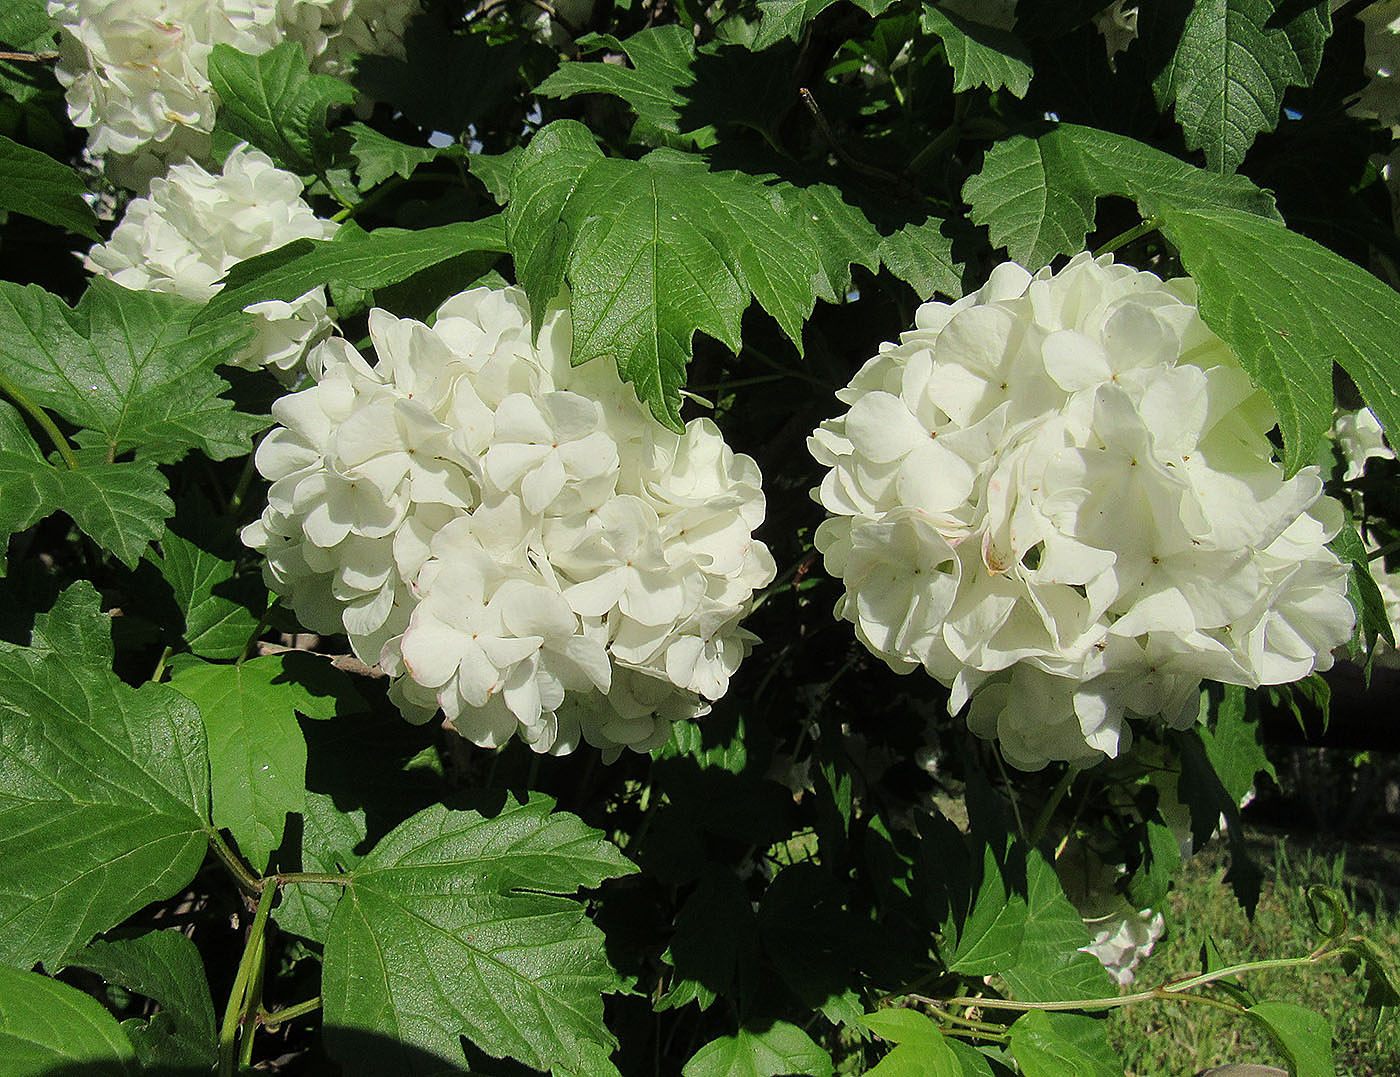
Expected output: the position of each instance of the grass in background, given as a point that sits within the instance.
(1178, 1039)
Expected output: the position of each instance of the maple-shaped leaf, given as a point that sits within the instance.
(129, 368)
(1232, 65)
(652, 251)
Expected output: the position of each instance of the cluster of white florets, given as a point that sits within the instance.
(1058, 496)
(516, 541)
(196, 225)
(136, 72)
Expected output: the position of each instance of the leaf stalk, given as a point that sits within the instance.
(42, 417)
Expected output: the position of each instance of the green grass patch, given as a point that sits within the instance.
(1177, 1039)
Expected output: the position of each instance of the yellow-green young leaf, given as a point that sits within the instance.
(257, 756)
(1304, 1037)
(48, 1028)
(372, 260)
(1231, 67)
(104, 788)
(129, 368)
(1062, 1045)
(274, 102)
(488, 901)
(779, 1049)
(980, 55)
(654, 250)
(166, 968)
(921, 1049)
(36, 185)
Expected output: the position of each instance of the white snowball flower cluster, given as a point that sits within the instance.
(514, 540)
(1058, 496)
(195, 225)
(136, 72)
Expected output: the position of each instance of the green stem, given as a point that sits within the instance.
(1170, 989)
(252, 1005)
(274, 1020)
(1151, 224)
(159, 671)
(234, 1013)
(245, 480)
(1042, 821)
(249, 883)
(1011, 794)
(376, 196)
(967, 1022)
(1384, 551)
(40, 416)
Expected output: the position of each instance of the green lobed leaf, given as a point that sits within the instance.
(1289, 308)
(842, 233)
(36, 185)
(129, 367)
(1235, 59)
(1034, 199)
(373, 260)
(166, 968)
(653, 250)
(979, 55)
(779, 1049)
(1036, 195)
(257, 756)
(104, 788)
(921, 1048)
(989, 940)
(121, 507)
(1049, 964)
(218, 607)
(1234, 745)
(48, 1027)
(716, 934)
(662, 60)
(922, 255)
(274, 102)
(380, 156)
(1062, 1045)
(785, 18)
(365, 773)
(329, 837)
(523, 968)
(1303, 1036)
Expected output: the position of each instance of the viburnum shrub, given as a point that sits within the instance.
(652, 537)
